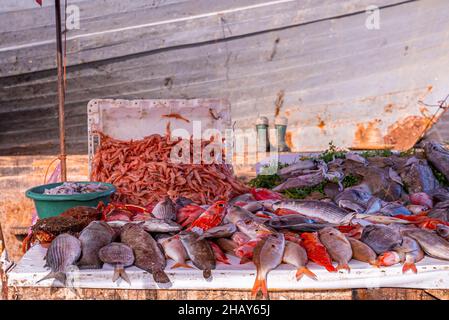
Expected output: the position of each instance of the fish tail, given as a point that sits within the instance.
(345, 266)
(161, 277)
(409, 266)
(60, 276)
(305, 271)
(260, 284)
(119, 272)
(181, 265)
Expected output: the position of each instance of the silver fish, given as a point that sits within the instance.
(120, 256)
(362, 252)
(94, 237)
(316, 210)
(432, 244)
(222, 231)
(165, 209)
(253, 206)
(235, 213)
(253, 229)
(63, 252)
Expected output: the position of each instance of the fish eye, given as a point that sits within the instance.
(221, 205)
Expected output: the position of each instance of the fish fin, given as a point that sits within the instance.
(305, 271)
(181, 265)
(260, 284)
(345, 266)
(244, 260)
(207, 273)
(161, 277)
(119, 272)
(409, 266)
(60, 276)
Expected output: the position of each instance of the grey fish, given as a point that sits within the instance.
(296, 255)
(362, 252)
(174, 250)
(222, 231)
(438, 156)
(290, 219)
(235, 213)
(120, 256)
(199, 252)
(267, 255)
(432, 244)
(165, 209)
(227, 245)
(297, 168)
(351, 206)
(381, 238)
(246, 197)
(418, 176)
(411, 253)
(159, 225)
(253, 229)
(181, 202)
(253, 206)
(356, 158)
(443, 231)
(94, 237)
(148, 254)
(307, 180)
(63, 252)
(316, 210)
(393, 209)
(337, 245)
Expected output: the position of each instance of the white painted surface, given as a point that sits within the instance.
(432, 274)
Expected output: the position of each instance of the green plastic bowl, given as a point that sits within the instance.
(50, 205)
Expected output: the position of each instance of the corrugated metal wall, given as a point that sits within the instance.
(318, 52)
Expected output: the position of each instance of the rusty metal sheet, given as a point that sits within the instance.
(396, 121)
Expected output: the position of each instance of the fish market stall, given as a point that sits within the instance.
(337, 224)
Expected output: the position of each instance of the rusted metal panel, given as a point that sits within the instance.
(335, 73)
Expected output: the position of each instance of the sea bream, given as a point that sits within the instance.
(267, 255)
(337, 245)
(174, 250)
(120, 256)
(148, 254)
(296, 255)
(63, 252)
(94, 237)
(199, 252)
(316, 210)
(412, 252)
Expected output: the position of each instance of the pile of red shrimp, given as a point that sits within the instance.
(143, 173)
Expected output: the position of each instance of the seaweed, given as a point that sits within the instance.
(350, 181)
(301, 193)
(376, 153)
